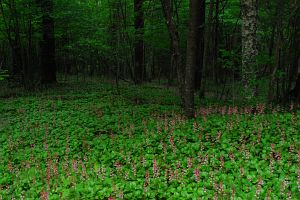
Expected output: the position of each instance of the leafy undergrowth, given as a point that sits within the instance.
(95, 144)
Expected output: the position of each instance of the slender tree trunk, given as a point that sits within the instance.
(191, 57)
(28, 71)
(115, 26)
(216, 42)
(47, 45)
(294, 51)
(207, 58)
(130, 54)
(249, 45)
(272, 78)
(201, 27)
(139, 65)
(294, 76)
(278, 46)
(174, 35)
(271, 45)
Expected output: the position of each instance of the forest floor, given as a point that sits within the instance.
(96, 141)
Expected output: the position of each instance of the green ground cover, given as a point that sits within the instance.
(90, 141)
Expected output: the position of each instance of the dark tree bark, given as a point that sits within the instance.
(294, 50)
(174, 35)
(216, 42)
(192, 57)
(208, 51)
(47, 45)
(200, 38)
(295, 93)
(294, 76)
(278, 49)
(139, 65)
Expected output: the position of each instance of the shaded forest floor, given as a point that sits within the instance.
(94, 141)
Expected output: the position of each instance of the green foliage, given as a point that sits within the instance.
(264, 59)
(230, 59)
(85, 142)
(280, 74)
(231, 15)
(3, 74)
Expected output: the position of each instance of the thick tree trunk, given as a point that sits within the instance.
(192, 57)
(249, 45)
(174, 35)
(139, 65)
(48, 65)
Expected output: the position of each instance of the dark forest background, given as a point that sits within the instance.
(228, 49)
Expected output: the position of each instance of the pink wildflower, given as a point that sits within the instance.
(197, 175)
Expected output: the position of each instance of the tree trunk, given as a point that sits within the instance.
(295, 93)
(278, 48)
(294, 51)
(201, 27)
(192, 57)
(139, 65)
(249, 45)
(47, 45)
(216, 42)
(174, 35)
(294, 86)
(207, 58)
